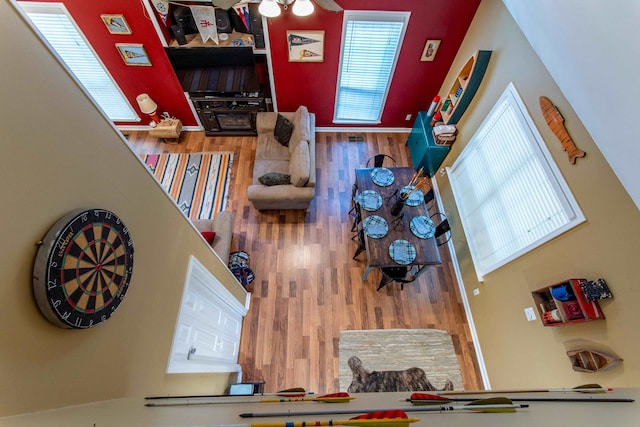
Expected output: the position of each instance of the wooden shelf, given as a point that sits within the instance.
(577, 309)
(459, 96)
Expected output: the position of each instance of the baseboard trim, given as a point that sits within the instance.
(363, 129)
(463, 295)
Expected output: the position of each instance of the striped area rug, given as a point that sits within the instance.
(198, 182)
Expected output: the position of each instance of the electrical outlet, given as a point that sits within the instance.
(476, 292)
(408, 117)
(531, 315)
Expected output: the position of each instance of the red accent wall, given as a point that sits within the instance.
(414, 83)
(158, 80)
(312, 84)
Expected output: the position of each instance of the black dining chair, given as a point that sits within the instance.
(379, 160)
(401, 275)
(443, 230)
(360, 238)
(429, 197)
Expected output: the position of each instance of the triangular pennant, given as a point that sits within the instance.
(205, 19)
(162, 7)
(295, 40)
(304, 53)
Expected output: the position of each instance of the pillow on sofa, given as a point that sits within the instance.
(283, 130)
(300, 164)
(208, 236)
(274, 178)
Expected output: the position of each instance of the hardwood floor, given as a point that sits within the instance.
(307, 286)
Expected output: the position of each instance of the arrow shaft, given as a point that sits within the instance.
(428, 408)
(389, 422)
(548, 390)
(534, 399)
(290, 392)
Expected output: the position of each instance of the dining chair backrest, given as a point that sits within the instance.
(429, 197)
(360, 239)
(401, 275)
(443, 229)
(378, 160)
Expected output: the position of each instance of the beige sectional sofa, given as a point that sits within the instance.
(297, 160)
(222, 225)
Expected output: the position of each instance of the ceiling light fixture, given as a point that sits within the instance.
(302, 8)
(271, 8)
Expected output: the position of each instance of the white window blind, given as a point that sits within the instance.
(55, 24)
(510, 193)
(371, 43)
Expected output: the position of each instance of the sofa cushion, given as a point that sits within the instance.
(261, 167)
(301, 127)
(274, 178)
(269, 148)
(283, 130)
(300, 164)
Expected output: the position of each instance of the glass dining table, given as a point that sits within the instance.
(405, 239)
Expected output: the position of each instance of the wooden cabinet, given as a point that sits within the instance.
(425, 153)
(564, 303)
(457, 99)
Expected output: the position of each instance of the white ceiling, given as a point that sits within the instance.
(591, 49)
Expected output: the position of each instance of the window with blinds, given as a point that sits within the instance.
(509, 191)
(371, 43)
(57, 28)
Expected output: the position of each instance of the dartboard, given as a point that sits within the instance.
(83, 268)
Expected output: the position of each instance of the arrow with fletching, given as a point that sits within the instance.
(290, 392)
(389, 418)
(431, 399)
(494, 404)
(586, 388)
(327, 398)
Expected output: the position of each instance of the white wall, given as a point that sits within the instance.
(591, 50)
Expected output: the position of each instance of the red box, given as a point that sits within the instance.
(590, 309)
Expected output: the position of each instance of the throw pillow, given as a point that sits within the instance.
(283, 130)
(274, 178)
(208, 236)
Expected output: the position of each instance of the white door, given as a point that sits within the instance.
(207, 335)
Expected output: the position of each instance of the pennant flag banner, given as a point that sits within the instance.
(162, 7)
(296, 40)
(205, 18)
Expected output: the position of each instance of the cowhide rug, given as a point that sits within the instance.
(412, 379)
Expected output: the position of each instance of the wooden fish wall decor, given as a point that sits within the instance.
(556, 123)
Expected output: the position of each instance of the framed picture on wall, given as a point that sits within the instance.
(430, 50)
(133, 54)
(116, 24)
(305, 46)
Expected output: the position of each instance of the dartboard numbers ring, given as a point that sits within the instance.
(83, 268)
